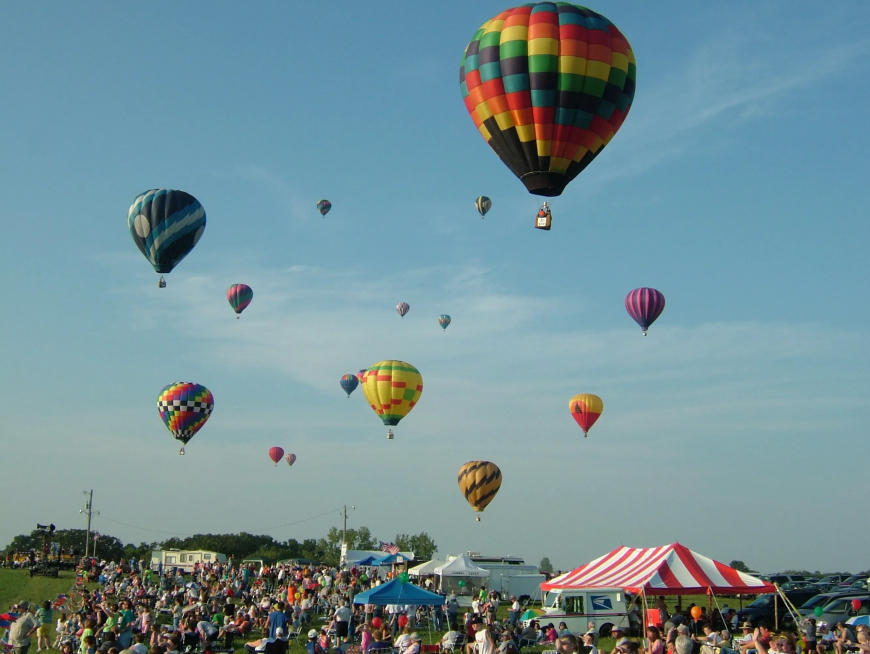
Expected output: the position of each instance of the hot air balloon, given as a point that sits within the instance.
(483, 204)
(360, 375)
(444, 321)
(402, 308)
(548, 85)
(644, 305)
(165, 225)
(323, 206)
(392, 388)
(185, 408)
(276, 454)
(586, 408)
(239, 296)
(479, 482)
(349, 384)
(290, 459)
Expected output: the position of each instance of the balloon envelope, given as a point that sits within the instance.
(239, 296)
(402, 308)
(290, 459)
(349, 383)
(323, 206)
(185, 408)
(586, 408)
(276, 454)
(392, 388)
(165, 225)
(644, 305)
(479, 482)
(444, 321)
(548, 85)
(483, 204)
(360, 375)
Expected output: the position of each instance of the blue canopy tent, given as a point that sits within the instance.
(390, 559)
(369, 560)
(395, 592)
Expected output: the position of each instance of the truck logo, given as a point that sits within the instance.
(601, 603)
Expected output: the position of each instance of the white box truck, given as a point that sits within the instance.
(520, 585)
(605, 607)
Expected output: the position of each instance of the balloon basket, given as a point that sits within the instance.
(161, 283)
(477, 518)
(389, 434)
(181, 452)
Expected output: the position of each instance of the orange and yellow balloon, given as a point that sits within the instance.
(586, 408)
(392, 388)
(479, 482)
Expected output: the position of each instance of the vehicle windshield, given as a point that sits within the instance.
(817, 600)
(552, 599)
(762, 601)
(837, 606)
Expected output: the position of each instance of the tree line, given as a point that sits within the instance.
(238, 546)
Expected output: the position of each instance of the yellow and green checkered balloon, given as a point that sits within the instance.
(392, 388)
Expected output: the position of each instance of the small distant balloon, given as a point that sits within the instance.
(402, 308)
(483, 204)
(324, 206)
(290, 459)
(585, 408)
(276, 454)
(444, 321)
(361, 375)
(644, 305)
(349, 384)
(239, 296)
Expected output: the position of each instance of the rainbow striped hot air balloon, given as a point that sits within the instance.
(548, 85)
(586, 408)
(184, 408)
(392, 388)
(479, 482)
(239, 296)
(644, 305)
(349, 384)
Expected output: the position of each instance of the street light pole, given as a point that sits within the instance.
(89, 510)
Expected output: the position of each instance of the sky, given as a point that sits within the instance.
(737, 186)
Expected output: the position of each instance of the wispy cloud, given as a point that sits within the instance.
(730, 79)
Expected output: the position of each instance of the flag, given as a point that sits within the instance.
(389, 548)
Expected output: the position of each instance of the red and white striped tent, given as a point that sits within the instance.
(667, 570)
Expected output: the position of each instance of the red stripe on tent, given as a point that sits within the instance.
(687, 557)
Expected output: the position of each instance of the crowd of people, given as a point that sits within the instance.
(221, 607)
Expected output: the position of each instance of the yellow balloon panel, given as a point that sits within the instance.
(479, 482)
(392, 388)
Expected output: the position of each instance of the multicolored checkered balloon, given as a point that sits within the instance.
(392, 388)
(185, 408)
(548, 84)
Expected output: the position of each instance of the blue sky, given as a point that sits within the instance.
(737, 187)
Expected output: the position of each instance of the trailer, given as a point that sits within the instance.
(522, 586)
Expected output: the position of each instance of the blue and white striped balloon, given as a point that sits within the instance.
(166, 225)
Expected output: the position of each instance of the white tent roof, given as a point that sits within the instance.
(461, 566)
(427, 568)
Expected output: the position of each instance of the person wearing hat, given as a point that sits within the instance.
(312, 646)
(618, 632)
(23, 628)
(414, 647)
(746, 641)
(483, 641)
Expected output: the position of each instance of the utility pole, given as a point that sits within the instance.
(344, 535)
(89, 511)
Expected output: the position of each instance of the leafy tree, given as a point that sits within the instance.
(420, 544)
(546, 566)
(740, 566)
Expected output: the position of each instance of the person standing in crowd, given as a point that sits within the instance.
(342, 617)
(23, 628)
(514, 611)
(452, 611)
(277, 620)
(46, 621)
(483, 641)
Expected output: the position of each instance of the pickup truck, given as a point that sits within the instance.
(764, 611)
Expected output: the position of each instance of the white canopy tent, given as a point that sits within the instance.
(461, 569)
(427, 568)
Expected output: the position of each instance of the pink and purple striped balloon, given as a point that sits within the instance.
(644, 305)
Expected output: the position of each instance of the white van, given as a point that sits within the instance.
(605, 607)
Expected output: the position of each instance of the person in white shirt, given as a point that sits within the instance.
(342, 617)
(514, 611)
(589, 641)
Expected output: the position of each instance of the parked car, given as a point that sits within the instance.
(840, 609)
(834, 579)
(851, 579)
(763, 609)
(822, 599)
